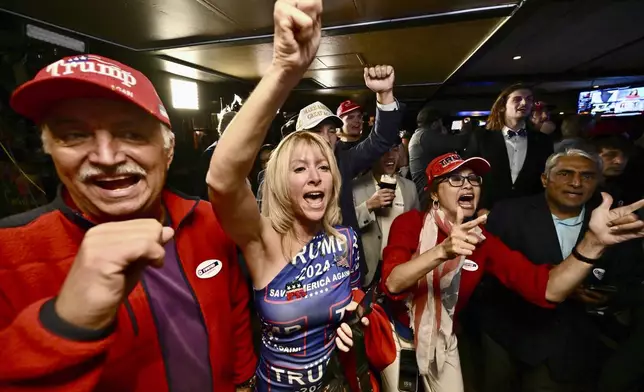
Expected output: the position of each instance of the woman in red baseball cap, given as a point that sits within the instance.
(434, 260)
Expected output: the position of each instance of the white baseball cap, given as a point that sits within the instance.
(314, 114)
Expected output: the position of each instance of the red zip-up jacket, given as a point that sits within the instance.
(491, 256)
(37, 249)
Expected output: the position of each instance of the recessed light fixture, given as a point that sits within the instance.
(516, 58)
(53, 38)
(595, 86)
(561, 113)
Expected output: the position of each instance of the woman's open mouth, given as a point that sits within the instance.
(466, 201)
(314, 199)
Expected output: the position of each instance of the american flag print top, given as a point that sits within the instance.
(301, 309)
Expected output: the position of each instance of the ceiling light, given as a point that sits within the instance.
(561, 113)
(48, 36)
(185, 94)
(595, 86)
(516, 58)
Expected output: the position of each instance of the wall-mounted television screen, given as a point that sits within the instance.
(623, 101)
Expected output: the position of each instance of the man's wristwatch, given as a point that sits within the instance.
(250, 383)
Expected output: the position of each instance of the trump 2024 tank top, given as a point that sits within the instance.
(300, 311)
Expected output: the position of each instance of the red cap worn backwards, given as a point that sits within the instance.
(86, 76)
(450, 162)
(347, 107)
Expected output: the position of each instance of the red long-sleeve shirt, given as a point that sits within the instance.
(491, 256)
(36, 251)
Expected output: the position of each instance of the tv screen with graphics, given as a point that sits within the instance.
(622, 101)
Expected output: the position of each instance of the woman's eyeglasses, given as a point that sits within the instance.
(457, 180)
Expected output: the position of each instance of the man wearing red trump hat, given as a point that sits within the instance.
(119, 284)
(351, 115)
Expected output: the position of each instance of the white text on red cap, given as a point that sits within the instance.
(448, 160)
(91, 64)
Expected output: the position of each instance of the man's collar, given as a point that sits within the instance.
(572, 221)
(178, 206)
(520, 125)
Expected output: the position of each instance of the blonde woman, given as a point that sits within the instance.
(304, 266)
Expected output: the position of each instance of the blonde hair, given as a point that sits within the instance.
(277, 205)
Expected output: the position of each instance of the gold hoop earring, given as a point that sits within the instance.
(435, 204)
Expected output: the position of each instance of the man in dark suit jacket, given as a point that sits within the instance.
(527, 348)
(517, 153)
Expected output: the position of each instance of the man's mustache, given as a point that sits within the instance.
(91, 171)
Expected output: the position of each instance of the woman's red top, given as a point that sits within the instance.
(492, 256)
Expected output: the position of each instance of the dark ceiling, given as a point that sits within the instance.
(449, 50)
(229, 40)
(565, 46)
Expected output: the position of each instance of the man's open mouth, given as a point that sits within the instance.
(116, 182)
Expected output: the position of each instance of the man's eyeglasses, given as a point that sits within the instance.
(457, 180)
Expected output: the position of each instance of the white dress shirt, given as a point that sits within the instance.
(385, 216)
(388, 107)
(517, 149)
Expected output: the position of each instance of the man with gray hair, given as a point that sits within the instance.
(527, 348)
(119, 284)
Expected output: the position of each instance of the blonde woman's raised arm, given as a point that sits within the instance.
(297, 38)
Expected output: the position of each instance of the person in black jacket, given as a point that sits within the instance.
(621, 180)
(516, 152)
(527, 348)
(432, 139)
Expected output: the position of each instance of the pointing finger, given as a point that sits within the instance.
(475, 222)
(634, 207)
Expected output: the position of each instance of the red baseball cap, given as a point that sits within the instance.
(450, 162)
(86, 76)
(347, 107)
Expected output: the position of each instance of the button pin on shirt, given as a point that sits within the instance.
(208, 269)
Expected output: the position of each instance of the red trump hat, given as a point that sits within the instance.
(347, 107)
(450, 162)
(86, 76)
